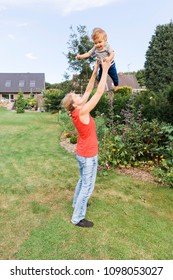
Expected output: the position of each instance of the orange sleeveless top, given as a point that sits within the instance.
(87, 144)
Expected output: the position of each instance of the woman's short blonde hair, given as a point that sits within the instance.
(67, 102)
(97, 32)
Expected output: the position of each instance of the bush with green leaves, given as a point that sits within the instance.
(52, 99)
(101, 127)
(133, 141)
(102, 107)
(156, 105)
(118, 101)
(65, 121)
(73, 139)
(128, 139)
(148, 141)
(31, 102)
(164, 173)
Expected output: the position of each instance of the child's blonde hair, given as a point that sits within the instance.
(97, 32)
(67, 102)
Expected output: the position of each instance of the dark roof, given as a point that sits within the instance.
(38, 78)
(128, 80)
(124, 80)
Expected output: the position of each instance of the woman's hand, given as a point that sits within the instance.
(106, 65)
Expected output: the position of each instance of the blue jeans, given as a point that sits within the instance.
(84, 187)
(112, 72)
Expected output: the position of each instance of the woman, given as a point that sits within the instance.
(87, 145)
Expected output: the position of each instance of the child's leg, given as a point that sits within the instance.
(99, 73)
(112, 72)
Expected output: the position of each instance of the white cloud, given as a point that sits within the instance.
(78, 5)
(66, 6)
(30, 56)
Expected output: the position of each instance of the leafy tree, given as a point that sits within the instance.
(20, 102)
(48, 85)
(159, 58)
(65, 86)
(140, 76)
(79, 42)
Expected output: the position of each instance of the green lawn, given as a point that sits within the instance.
(132, 219)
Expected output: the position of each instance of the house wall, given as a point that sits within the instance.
(13, 96)
(10, 102)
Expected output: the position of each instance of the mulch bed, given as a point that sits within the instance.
(65, 143)
(136, 173)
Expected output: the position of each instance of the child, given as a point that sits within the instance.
(103, 51)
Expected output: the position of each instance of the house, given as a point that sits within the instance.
(12, 83)
(128, 80)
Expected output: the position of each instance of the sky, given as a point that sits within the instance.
(34, 33)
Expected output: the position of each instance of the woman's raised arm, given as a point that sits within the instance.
(87, 107)
(90, 85)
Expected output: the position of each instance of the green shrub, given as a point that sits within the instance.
(20, 103)
(102, 107)
(164, 173)
(65, 121)
(100, 126)
(124, 90)
(145, 144)
(52, 99)
(156, 105)
(134, 141)
(118, 101)
(31, 102)
(73, 139)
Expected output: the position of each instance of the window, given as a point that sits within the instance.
(5, 96)
(32, 83)
(21, 83)
(11, 96)
(8, 83)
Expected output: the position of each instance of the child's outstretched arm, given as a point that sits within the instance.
(81, 56)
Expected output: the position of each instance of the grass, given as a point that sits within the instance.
(133, 219)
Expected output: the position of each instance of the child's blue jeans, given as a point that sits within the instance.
(112, 72)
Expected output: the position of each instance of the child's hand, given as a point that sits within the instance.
(78, 56)
(107, 59)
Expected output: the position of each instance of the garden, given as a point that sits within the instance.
(132, 218)
(127, 137)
